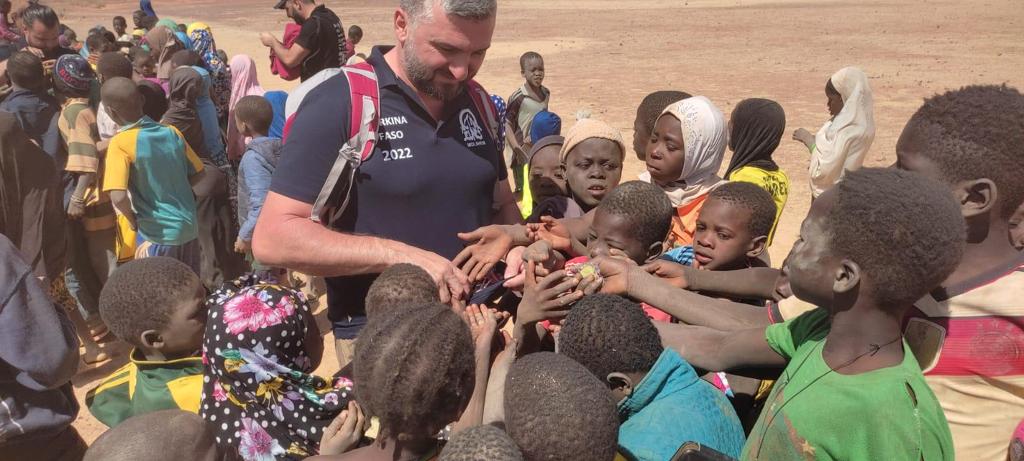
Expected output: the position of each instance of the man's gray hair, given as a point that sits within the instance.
(476, 10)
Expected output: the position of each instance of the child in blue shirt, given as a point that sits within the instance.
(253, 116)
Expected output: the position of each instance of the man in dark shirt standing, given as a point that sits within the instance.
(321, 43)
(42, 35)
(435, 171)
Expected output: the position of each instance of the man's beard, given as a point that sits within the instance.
(422, 77)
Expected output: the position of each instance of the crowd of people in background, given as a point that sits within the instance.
(152, 192)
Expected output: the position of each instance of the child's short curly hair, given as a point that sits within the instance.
(481, 443)
(556, 409)
(415, 382)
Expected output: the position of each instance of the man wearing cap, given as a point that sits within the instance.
(435, 171)
(321, 43)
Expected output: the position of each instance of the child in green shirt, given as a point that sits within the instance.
(851, 388)
(156, 305)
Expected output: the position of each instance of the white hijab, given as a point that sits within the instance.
(842, 143)
(704, 139)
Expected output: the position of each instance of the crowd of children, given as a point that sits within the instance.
(632, 320)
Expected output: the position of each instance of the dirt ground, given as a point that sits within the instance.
(605, 55)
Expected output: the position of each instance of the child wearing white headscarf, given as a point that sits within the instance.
(843, 142)
(704, 136)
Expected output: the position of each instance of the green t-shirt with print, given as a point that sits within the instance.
(814, 412)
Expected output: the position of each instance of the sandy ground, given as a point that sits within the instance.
(605, 55)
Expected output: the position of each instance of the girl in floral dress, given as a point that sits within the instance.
(260, 348)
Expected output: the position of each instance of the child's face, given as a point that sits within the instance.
(811, 265)
(1017, 228)
(612, 235)
(533, 73)
(183, 334)
(723, 240)
(592, 169)
(145, 66)
(120, 26)
(666, 153)
(835, 100)
(546, 176)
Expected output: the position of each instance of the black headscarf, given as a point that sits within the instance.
(757, 128)
(181, 113)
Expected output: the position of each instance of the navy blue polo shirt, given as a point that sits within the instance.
(426, 181)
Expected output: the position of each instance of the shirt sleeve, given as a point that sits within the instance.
(309, 35)
(785, 338)
(81, 138)
(318, 132)
(515, 102)
(118, 163)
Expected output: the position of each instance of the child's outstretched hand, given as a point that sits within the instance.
(615, 274)
(547, 298)
(344, 433)
(483, 324)
(670, 272)
(552, 231)
(804, 136)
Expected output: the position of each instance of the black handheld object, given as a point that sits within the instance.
(491, 287)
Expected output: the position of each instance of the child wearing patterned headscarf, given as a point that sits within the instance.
(686, 150)
(260, 396)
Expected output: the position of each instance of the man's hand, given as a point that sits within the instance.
(548, 298)
(48, 66)
(267, 39)
(615, 274)
(241, 246)
(76, 209)
(488, 245)
(670, 272)
(451, 282)
(344, 433)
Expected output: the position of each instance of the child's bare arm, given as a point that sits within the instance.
(738, 352)
(483, 326)
(755, 282)
(689, 307)
(123, 205)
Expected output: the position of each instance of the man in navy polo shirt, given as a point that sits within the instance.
(431, 176)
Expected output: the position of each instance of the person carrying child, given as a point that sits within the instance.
(259, 394)
(155, 164)
(156, 306)
(220, 74)
(843, 141)
(686, 150)
(755, 130)
(524, 104)
(253, 116)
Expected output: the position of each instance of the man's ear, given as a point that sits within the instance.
(403, 25)
(976, 197)
(152, 339)
(847, 277)
(757, 247)
(620, 381)
(654, 252)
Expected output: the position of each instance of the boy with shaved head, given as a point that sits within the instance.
(155, 164)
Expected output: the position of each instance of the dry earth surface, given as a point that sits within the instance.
(605, 55)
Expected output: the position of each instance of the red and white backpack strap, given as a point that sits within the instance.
(482, 100)
(364, 95)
